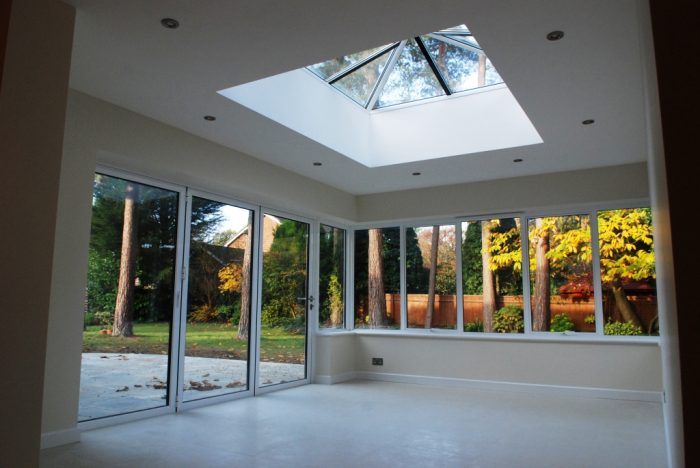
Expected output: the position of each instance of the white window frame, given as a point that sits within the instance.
(588, 209)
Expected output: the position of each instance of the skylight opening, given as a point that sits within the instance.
(441, 63)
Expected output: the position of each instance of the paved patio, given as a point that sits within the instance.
(114, 383)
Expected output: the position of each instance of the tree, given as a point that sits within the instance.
(562, 254)
(375, 286)
(541, 307)
(626, 253)
(285, 275)
(124, 308)
(434, 241)
(489, 288)
(244, 320)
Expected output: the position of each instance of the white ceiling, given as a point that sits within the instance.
(123, 55)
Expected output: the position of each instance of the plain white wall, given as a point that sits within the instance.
(508, 195)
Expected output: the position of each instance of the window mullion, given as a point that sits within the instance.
(355, 66)
(402, 277)
(597, 286)
(395, 54)
(433, 65)
(458, 277)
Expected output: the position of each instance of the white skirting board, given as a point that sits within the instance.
(56, 438)
(334, 379)
(560, 390)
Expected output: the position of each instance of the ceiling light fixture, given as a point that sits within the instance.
(170, 23)
(318, 164)
(588, 121)
(555, 35)
(209, 118)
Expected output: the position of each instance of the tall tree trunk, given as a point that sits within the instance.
(623, 304)
(339, 260)
(244, 320)
(541, 315)
(375, 283)
(488, 288)
(124, 308)
(482, 70)
(430, 310)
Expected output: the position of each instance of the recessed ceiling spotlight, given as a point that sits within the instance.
(518, 160)
(555, 35)
(170, 23)
(415, 173)
(318, 164)
(588, 121)
(210, 118)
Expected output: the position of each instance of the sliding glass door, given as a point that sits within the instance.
(285, 301)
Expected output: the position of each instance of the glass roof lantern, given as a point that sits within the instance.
(441, 63)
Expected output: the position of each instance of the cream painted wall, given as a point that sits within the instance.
(614, 366)
(508, 195)
(32, 110)
(68, 280)
(334, 355)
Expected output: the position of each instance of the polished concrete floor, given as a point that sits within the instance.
(367, 424)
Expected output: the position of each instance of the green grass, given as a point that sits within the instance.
(203, 340)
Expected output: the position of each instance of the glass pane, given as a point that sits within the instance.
(462, 28)
(561, 274)
(359, 84)
(130, 296)
(331, 282)
(411, 79)
(628, 272)
(330, 67)
(463, 69)
(491, 276)
(377, 278)
(284, 300)
(431, 281)
(218, 300)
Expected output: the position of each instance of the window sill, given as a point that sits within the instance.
(541, 337)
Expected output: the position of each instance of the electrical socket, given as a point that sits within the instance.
(377, 361)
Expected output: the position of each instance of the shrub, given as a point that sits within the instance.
(475, 326)
(622, 328)
(561, 323)
(509, 319)
(104, 319)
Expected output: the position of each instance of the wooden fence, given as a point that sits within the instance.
(445, 312)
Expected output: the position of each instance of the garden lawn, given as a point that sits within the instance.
(212, 340)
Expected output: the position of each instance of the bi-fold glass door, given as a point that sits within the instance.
(218, 300)
(190, 299)
(285, 302)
